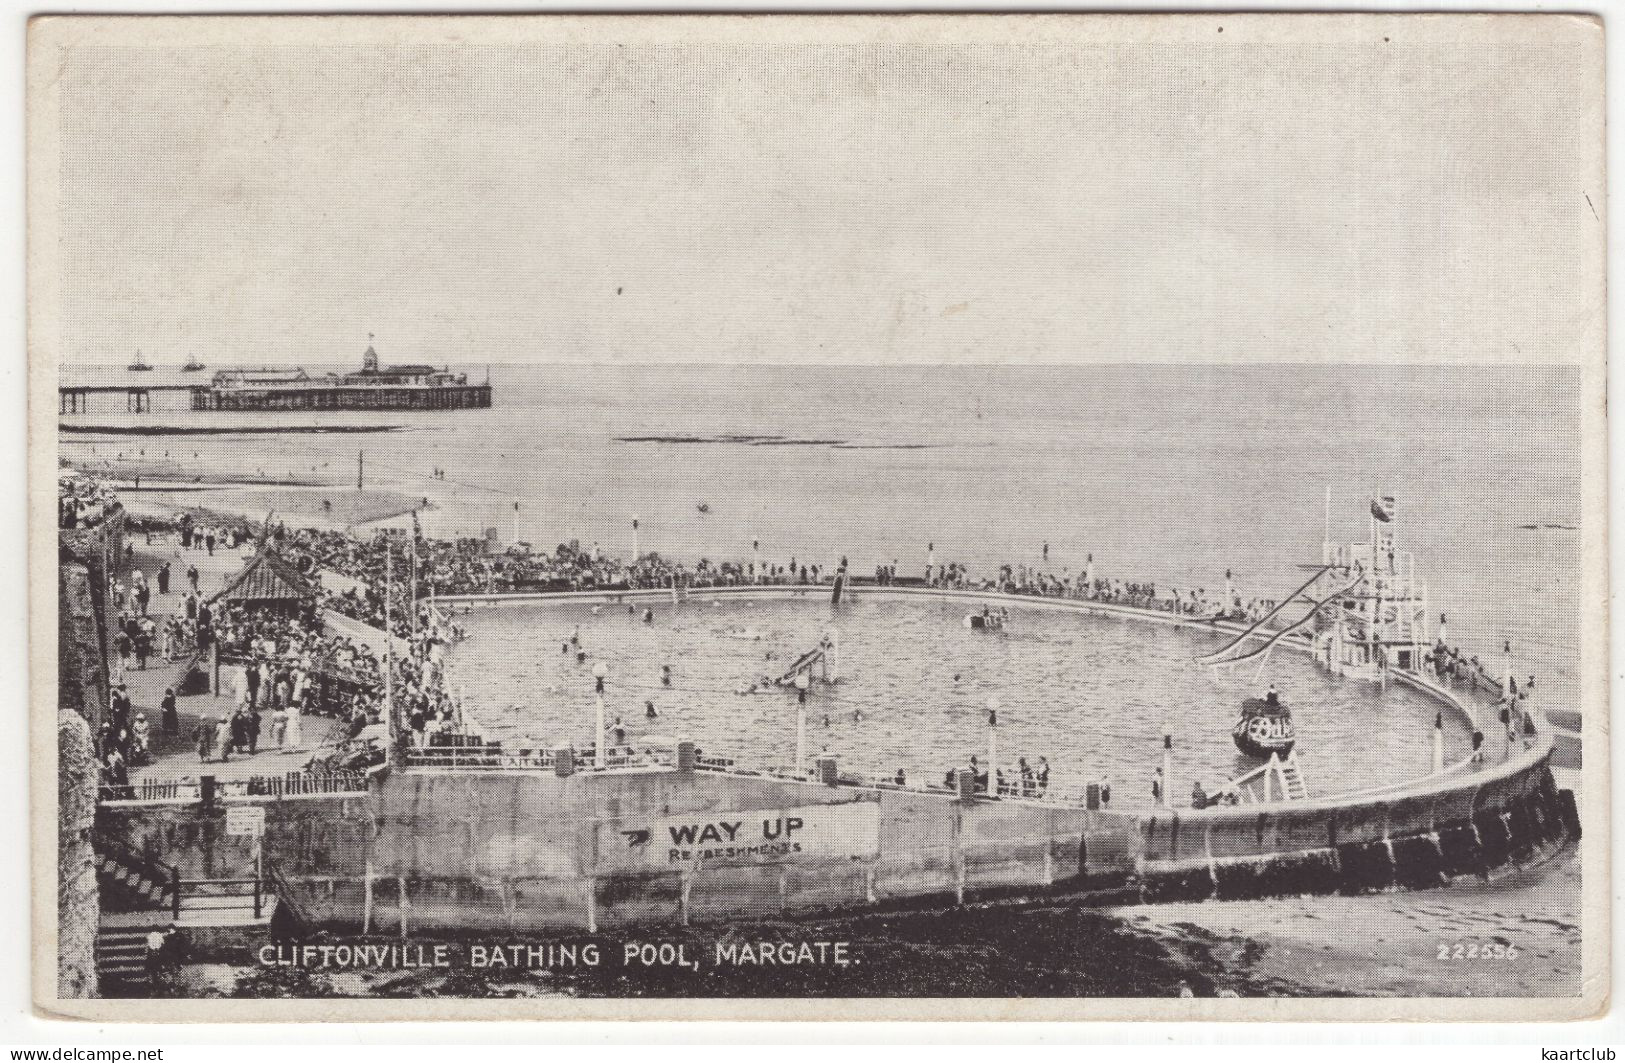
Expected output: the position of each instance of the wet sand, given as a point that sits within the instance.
(1406, 943)
(979, 951)
(1380, 945)
(295, 506)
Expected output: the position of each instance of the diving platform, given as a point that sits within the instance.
(1363, 610)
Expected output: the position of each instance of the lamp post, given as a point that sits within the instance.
(993, 746)
(635, 553)
(1167, 770)
(394, 730)
(599, 671)
(802, 683)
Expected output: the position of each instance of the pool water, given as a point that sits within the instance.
(1094, 694)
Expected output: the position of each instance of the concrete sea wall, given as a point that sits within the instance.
(528, 850)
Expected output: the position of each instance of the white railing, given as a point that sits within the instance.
(485, 758)
(496, 758)
(1273, 774)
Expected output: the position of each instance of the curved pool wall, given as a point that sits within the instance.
(1447, 699)
(472, 850)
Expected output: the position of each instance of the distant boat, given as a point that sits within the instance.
(139, 365)
(192, 365)
(704, 507)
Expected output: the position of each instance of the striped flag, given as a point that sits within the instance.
(1383, 508)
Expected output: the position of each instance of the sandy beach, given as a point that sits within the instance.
(327, 508)
(162, 486)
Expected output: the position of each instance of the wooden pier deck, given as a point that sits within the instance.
(75, 398)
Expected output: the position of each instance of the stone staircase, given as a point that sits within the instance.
(121, 957)
(131, 883)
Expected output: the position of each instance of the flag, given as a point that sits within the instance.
(1383, 508)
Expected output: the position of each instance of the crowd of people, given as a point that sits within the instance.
(294, 638)
(426, 713)
(227, 535)
(83, 502)
(1086, 585)
(478, 566)
(1025, 780)
(125, 738)
(291, 669)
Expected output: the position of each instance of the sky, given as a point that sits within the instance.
(802, 190)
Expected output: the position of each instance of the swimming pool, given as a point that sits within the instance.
(1093, 693)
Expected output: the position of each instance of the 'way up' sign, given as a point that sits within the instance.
(756, 836)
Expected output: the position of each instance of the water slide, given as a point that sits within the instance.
(1314, 608)
(1267, 617)
(803, 663)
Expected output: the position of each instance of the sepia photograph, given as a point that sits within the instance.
(819, 516)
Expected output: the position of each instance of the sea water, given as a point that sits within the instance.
(1161, 473)
(1171, 474)
(1093, 694)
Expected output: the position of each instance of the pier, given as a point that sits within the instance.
(372, 387)
(75, 398)
(320, 395)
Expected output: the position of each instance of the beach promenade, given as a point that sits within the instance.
(175, 757)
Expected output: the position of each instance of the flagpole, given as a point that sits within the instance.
(389, 647)
(1326, 539)
(1371, 631)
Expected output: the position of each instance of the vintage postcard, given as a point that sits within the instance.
(961, 517)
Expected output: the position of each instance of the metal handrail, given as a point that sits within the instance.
(199, 887)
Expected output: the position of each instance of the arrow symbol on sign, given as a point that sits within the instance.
(635, 838)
